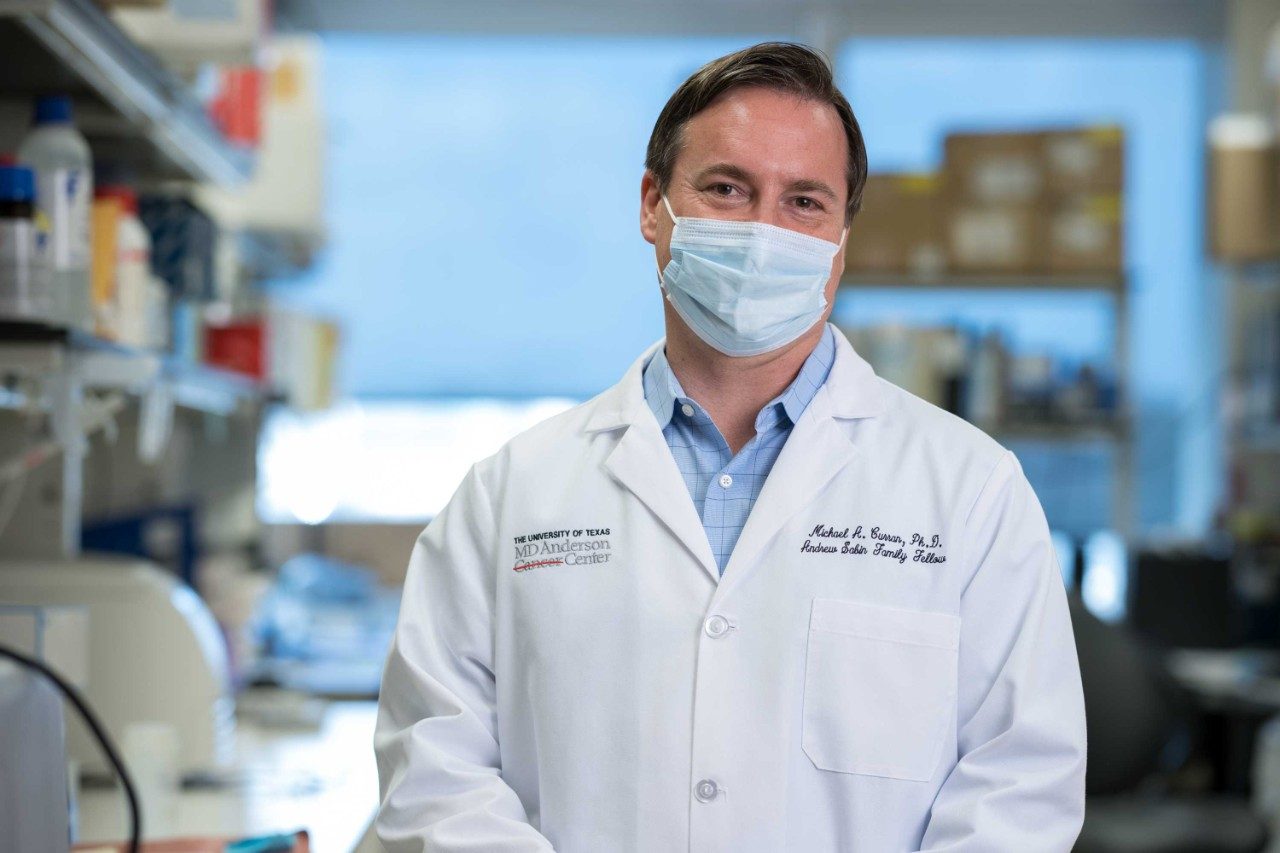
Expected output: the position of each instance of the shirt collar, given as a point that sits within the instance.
(662, 390)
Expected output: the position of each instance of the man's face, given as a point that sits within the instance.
(757, 155)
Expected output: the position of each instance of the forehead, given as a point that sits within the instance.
(768, 132)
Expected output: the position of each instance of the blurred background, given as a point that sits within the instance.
(273, 275)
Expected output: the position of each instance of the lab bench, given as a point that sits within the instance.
(322, 779)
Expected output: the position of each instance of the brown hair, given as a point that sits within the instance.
(784, 66)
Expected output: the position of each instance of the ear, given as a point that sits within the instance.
(650, 201)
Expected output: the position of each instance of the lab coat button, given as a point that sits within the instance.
(706, 791)
(725, 481)
(716, 626)
(687, 409)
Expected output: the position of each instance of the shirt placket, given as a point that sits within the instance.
(713, 500)
(729, 494)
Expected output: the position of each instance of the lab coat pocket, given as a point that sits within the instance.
(879, 689)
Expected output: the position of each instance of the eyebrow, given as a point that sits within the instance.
(729, 170)
(806, 185)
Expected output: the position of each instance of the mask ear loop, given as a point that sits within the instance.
(674, 221)
(667, 202)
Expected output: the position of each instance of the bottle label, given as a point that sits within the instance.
(24, 282)
(63, 196)
(17, 247)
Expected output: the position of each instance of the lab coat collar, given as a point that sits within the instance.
(852, 390)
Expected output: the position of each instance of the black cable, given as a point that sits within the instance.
(91, 720)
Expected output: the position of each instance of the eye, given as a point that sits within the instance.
(723, 190)
(808, 204)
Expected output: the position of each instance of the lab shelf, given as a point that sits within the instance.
(1116, 431)
(43, 352)
(1108, 282)
(135, 112)
(210, 389)
(79, 382)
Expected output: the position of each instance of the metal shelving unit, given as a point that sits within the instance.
(38, 353)
(133, 110)
(81, 383)
(144, 122)
(1119, 432)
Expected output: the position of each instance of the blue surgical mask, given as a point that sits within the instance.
(746, 288)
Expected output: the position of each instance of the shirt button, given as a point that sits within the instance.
(725, 481)
(706, 791)
(687, 409)
(716, 626)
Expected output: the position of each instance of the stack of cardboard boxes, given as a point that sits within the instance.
(900, 227)
(1009, 203)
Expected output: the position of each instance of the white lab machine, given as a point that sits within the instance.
(156, 655)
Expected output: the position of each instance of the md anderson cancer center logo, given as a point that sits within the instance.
(576, 547)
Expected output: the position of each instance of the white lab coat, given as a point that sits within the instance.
(571, 673)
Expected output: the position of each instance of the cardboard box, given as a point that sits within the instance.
(900, 226)
(1032, 202)
(1085, 233)
(1086, 159)
(1244, 189)
(1003, 238)
(994, 168)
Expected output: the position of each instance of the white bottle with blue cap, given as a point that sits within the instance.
(60, 156)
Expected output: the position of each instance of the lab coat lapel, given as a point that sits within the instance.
(819, 449)
(642, 462)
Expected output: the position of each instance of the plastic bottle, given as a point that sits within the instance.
(126, 313)
(24, 281)
(63, 165)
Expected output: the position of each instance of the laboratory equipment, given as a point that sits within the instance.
(155, 653)
(56, 635)
(325, 627)
(1182, 596)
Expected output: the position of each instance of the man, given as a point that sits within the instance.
(753, 598)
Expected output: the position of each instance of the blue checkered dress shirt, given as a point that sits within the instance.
(724, 487)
